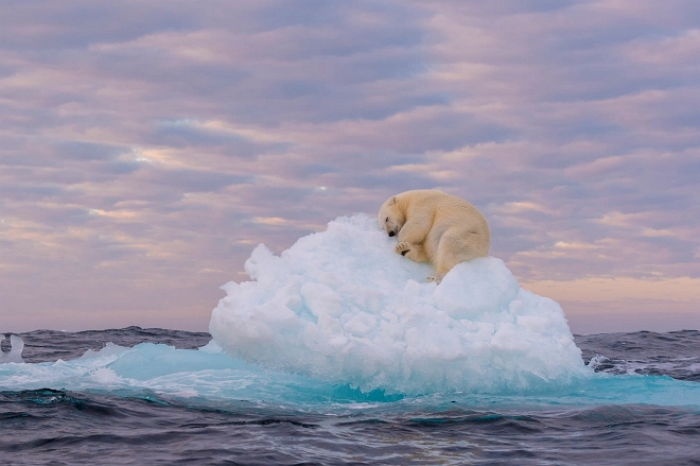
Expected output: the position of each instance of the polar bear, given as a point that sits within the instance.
(435, 227)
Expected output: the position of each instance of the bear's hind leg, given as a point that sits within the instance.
(452, 249)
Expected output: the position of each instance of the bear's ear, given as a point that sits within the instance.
(392, 201)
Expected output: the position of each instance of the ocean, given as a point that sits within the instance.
(138, 396)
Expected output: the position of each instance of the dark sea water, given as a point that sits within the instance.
(137, 406)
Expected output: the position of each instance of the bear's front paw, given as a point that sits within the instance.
(402, 247)
(435, 278)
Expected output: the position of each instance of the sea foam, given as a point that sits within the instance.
(341, 306)
(14, 344)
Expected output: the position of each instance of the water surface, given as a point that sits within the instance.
(145, 396)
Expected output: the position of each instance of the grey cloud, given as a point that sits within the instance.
(121, 167)
(52, 24)
(181, 134)
(81, 150)
(508, 7)
(27, 192)
(182, 181)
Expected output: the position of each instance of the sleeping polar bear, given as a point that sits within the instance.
(435, 227)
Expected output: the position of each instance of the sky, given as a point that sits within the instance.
(148, 146)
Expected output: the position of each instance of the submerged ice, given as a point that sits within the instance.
(341, 306)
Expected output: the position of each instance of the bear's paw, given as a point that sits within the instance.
(402, 247)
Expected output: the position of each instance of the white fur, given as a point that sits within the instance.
(435, 227)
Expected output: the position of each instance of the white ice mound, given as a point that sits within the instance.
(340, 305)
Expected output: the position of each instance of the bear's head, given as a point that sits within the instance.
(391, 217)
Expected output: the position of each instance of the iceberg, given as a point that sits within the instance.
(341, 306)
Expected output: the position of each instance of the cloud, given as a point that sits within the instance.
(141, 138)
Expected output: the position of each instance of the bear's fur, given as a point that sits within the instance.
(435, 227)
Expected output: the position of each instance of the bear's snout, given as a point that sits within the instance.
(392, 233)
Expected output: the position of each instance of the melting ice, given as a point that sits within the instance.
(341, 306)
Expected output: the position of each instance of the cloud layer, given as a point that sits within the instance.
(148, 146)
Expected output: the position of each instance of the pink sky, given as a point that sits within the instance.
(149, 146)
